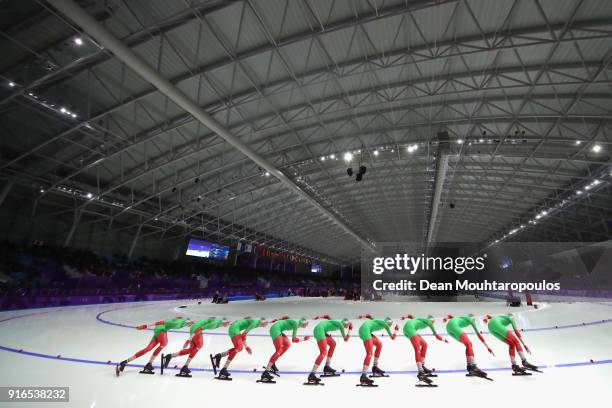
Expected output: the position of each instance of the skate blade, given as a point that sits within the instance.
(317, 383)
(425, 385)
(223, 379)
(431, 375)
(366, 385)
(146, 372)
(330, 375)
(534, 369)
(378, 375)
(266, 382)
(183, 375)
(479, 376)
(520, 374)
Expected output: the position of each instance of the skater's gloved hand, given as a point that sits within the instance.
(141, 327)
(346, 338)
(186, 344)
(306, 338)
(248, 349)
(350, 326)
(295, 340)
(438, 337)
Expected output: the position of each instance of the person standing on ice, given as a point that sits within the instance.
(238, 333)
(411, 327)
(454, 327)
(327, 344)
(498, 326)
(195, 342)
(160, 339)
(370, 341)
(281, 342)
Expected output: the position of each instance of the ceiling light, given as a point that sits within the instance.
(596, 148)
(74, 115)
(89, 195)
(11, 84)
(375, 152)
(78, 41)
(267, 174)
(63, 110)
(577, 142)
(348, 156)
(459, 141)
(322, 158)
(332, 156)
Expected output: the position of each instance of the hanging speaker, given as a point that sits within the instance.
(349, 171)
(362, 169)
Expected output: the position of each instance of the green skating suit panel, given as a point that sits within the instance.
(208, 324)
(369, 326)
(245, 325)
(455, 326)
(498, 326)
(418, 323)
(326, 326)
(279, 327)
(171, 324)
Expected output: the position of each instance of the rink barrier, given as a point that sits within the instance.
(208, 370)
(209, 333)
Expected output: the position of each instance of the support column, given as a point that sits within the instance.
(75, 223)
(6, 189)
(135, 241)
(441, 168)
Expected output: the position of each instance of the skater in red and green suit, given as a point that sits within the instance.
(498, 326)
(238, 331)
(327, 344)
(454, 327)
(370, 342)
(411, 327)
(160, 339)
(281, 341)
(195, 341)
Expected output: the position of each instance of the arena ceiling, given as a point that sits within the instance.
(477, 120)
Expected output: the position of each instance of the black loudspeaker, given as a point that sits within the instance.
(359, 177)
(362, 169)
(349, 171)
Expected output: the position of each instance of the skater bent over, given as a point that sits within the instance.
(454, 327)
(281, 342)
(370, 341)
(195, 342)
(327, 345)
(498, 326)
(238, 333)
(411, 327)
(160, 339)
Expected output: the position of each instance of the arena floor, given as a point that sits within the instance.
(78, 347)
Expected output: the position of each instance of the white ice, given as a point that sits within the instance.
(74, 332)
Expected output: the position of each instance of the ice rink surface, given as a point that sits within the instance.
(73, 346)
